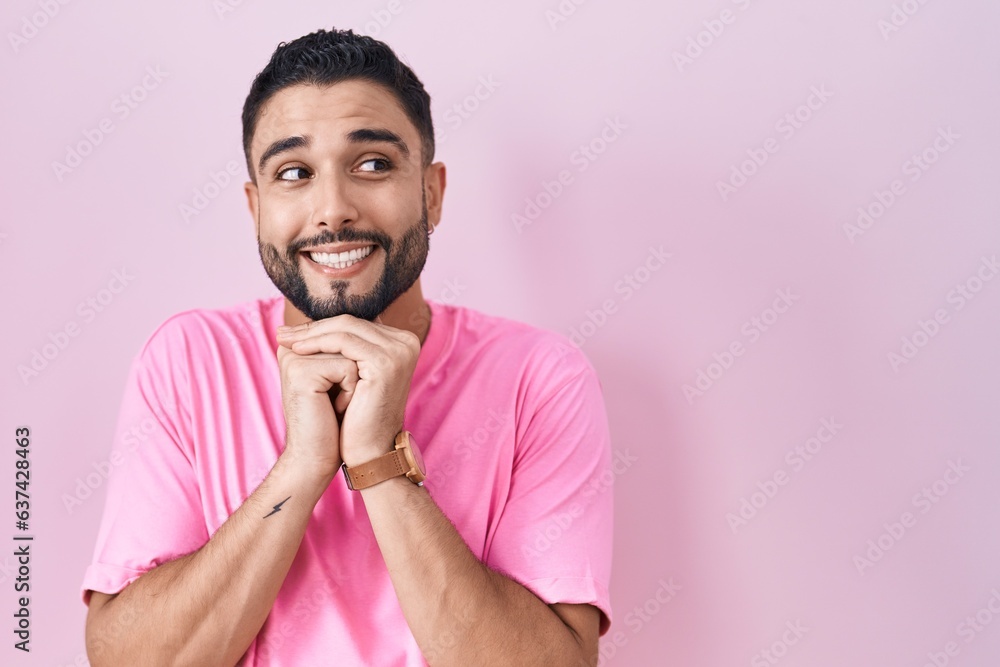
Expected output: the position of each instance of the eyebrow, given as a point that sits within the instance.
(366, 135)
(282, 146)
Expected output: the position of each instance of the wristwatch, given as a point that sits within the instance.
(405, 459)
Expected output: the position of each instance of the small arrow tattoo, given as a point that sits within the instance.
(277, 508)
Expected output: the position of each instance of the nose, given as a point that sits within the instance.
(332, 203)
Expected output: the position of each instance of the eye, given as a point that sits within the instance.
(282, 175)
(387, 167)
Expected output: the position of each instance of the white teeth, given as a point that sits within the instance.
(341, 260)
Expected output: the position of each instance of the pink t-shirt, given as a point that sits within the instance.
(510, 420)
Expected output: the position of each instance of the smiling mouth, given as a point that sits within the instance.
(341, 260)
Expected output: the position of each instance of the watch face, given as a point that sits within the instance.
(416, 459)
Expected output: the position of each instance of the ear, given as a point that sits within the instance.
(434, 182)
(253, 202)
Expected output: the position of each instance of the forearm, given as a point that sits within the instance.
(459, 611)
(206, 607)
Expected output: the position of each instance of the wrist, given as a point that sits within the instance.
(374, 446)
(308, 472)
(365, 455)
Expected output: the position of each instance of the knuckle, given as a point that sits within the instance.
(411, 341)
(384, 361)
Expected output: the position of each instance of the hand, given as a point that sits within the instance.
(385, 358)
(315, 389)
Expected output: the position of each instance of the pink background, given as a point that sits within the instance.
(682, 129)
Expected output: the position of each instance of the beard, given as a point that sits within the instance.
(404, 260)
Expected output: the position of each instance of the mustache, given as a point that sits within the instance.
(346, 235)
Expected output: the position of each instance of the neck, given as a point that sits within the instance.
(409, 312)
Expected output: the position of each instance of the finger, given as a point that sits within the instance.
(319, 372)
(348, 382)
(344, 343)
(283, 352)
(364, 342)
(374, 332)
(342, 400)
(342, 370)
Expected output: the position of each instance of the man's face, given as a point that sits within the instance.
(341, 174)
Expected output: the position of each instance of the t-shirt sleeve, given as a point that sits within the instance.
(554, 535)
(153, 510)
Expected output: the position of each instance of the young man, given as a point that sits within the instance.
(473, 525)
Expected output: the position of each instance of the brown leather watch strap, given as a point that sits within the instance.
(377, 470)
